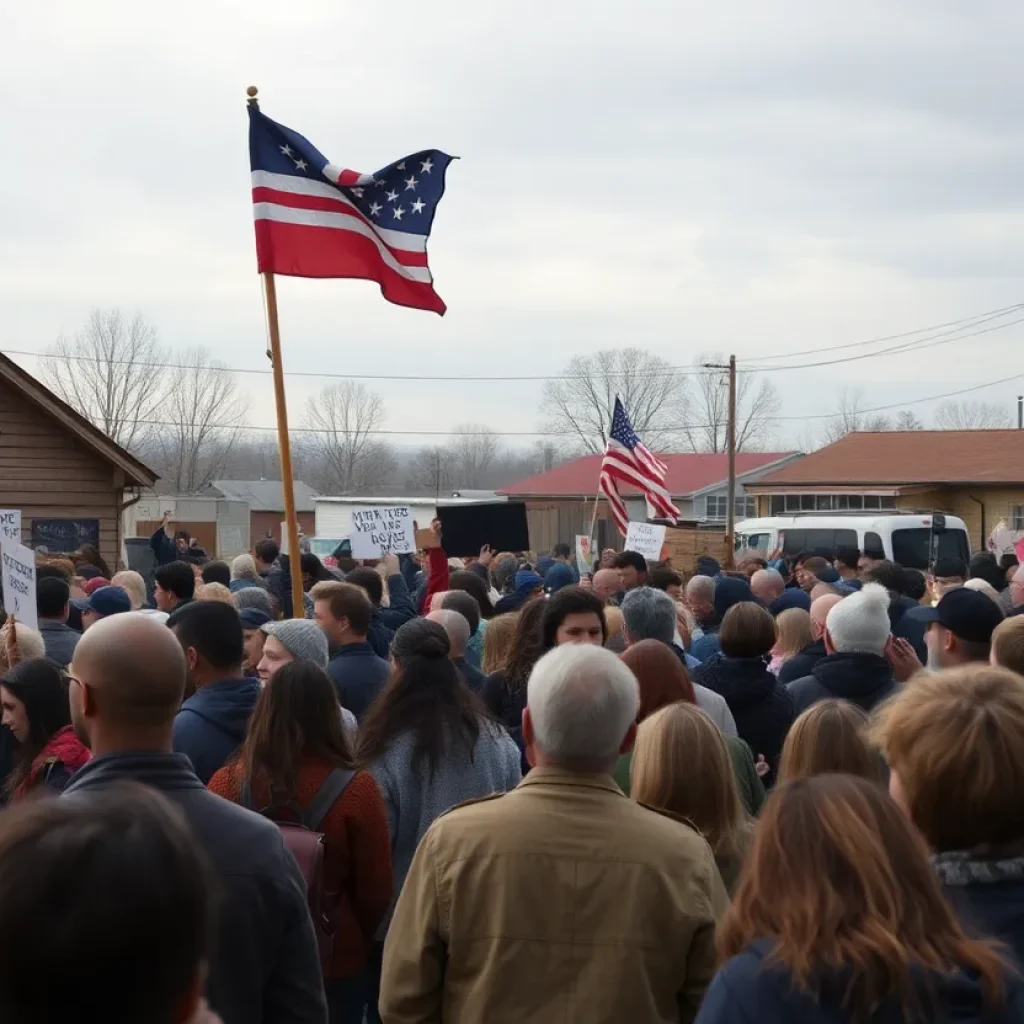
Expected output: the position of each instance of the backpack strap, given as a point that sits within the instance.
(326, 796)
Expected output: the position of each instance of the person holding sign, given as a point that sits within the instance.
(384, 621)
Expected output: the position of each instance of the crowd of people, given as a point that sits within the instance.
(494, 789)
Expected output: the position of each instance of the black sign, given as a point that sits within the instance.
(465, 529)
(65, 535)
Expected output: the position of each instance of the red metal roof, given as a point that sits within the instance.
(686, 474)
(910, 457)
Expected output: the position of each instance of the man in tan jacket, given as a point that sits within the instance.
(561, 901)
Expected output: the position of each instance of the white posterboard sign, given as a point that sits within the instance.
(584, 555)
(10, 525)
(646, 539)
(19, 582)
(379, 531)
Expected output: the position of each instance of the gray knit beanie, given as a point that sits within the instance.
(301, 639)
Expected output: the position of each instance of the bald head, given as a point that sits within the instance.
(820, 608)
(134, 670)
(456, 626)
(606, 584)
(767, 585)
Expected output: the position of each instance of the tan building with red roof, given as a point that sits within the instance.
(560, 502)
(977, 475)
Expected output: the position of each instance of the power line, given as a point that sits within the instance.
(573, 433)
(958, 324)
(930, 341)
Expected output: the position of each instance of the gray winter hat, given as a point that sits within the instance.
(301, 639)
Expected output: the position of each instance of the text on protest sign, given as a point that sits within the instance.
(10, 525)
(584, 555)
(18, 567)
(646, 539)
(384, 530)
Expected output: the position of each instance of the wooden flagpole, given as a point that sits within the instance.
(284, 444)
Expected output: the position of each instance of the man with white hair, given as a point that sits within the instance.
(562, 900)
(699, 597)
(650, 614)
(768, 586)
(856, 666)
(456, 625)
(802, 664)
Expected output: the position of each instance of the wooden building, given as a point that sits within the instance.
(70, 481)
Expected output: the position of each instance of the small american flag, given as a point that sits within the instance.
(314, 219)
(626, 460)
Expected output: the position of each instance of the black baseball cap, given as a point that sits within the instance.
(967, 614)
(949, 568)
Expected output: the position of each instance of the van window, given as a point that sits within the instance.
(911, 547)
(873, 545)
(757, 540)
(794, 542)
(846, 539)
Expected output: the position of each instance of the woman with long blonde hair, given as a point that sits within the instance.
(831, 736)
(793, 634)
(681, 764)
(840, 919)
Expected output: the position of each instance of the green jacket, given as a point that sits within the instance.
(750, 788)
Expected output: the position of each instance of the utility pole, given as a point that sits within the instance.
(730, 434)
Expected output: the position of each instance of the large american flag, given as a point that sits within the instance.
(314, 219)
(627, 461)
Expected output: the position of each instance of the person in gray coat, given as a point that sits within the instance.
(430, 744)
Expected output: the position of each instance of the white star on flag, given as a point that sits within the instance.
(287, 150)
(375, 209)
(417, 207)
(427, 165)
(392, 196)
(401, 166)
(410, 183)
(300, 165)
(397, 213)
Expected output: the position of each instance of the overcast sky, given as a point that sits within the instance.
(757, 178)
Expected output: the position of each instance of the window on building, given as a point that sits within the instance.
(1017, 517)
(716, 506)
(785, 504)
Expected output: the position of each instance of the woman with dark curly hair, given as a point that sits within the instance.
(504, 692)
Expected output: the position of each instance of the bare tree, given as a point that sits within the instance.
(430, 472)
(473, 451)
(343, 447)
(703, 409)
(580, 402)
(971, 416)
(852, 417)
(106, 372)
(205, 413)
(906, 420)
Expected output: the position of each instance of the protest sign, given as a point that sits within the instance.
(384, 530)
(646, 539)
(10, 525)
(18, 567)
(584, 555)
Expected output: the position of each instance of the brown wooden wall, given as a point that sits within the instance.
(262, 522)
(47, 473)
(551, 521)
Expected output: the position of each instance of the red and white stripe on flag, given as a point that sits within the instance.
(635, 468)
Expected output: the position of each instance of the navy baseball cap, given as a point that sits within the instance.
(253, 618)
(106, 601)
(967, 614)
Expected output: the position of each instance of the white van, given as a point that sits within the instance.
(912, 539)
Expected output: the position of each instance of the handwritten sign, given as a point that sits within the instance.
(646, 539)
(10, 525)
(18, 568)
(584, 555)
(379, 531)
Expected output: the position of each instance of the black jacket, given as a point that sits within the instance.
(988, 894)
(758, 701)
(802, 664)
(265, 967)
(473, 677)
(750, 987)
(507, 707)
(862, 679)
(165, 550)
(911, 630)
(359, 676)
(211, 724)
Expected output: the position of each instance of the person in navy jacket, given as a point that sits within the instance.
(840, 919)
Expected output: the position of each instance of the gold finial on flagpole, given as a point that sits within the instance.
(252, 92)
